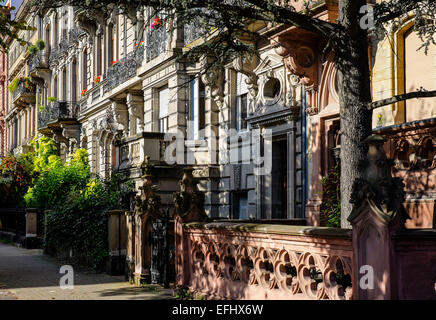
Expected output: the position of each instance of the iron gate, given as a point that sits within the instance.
(160, 251)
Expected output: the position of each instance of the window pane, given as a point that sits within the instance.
(163, 103)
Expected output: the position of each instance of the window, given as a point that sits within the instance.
(110, 50)
(55, 87)
(85, 70)
(417, 65)
(99, 55)
(64, 87)
(240, 209)
(196, 109)
(163, 109)
(241, 112)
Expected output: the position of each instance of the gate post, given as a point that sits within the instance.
(31, 228)
(377, 214)
(188, 207)
(147, 209)
(130, 252)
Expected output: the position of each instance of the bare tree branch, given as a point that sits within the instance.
(401, 97)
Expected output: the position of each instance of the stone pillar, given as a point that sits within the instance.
(135, 106)
(377, 214)
(31, 228)
(117, 241)
(188, 207)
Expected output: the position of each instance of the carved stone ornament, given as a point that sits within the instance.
(246, 65)
(378, 189)
(189, 202)
(298, 49)
(213, 80)
(148, 203)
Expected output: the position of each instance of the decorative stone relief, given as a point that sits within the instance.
(213, 81)
(120, 117)
(246, 65)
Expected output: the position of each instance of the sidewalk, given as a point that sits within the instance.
(29, 275)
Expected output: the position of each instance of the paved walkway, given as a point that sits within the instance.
(27, 274)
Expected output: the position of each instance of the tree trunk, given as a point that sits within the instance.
(354, 96)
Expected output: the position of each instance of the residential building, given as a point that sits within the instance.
(21, 116)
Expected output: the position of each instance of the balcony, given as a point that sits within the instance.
(39, 65)
(125, 69)
(24, 94)
(55, 114)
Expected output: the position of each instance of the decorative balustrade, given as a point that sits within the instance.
(255, 261)
(56, 112)
(125, 69)
(133, 150)
(156, 42)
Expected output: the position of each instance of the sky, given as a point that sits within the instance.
(16, 4)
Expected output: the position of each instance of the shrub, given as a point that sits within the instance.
(80, 222)
(56, 181)
(15, 179)
(331, 200)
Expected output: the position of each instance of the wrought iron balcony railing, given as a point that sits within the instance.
(57, 112)
(74, 34)
(54, 55)
(125, 69)
(156, 42)
(24, 91)
(192, 31)
(38, 61)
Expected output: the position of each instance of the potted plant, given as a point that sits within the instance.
(115, 62)
(32, 49)
(40, 44)
(13, 85)
(97, 79)
(83, 92)
(157, 23)
(52, 99)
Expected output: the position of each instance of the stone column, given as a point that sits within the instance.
(117, 242)
(377, 214)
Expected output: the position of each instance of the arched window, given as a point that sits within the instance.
(418, 73)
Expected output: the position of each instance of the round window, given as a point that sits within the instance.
(271, 90)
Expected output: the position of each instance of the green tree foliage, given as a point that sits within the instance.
(331, 199)
(15, 179)
(10, 28)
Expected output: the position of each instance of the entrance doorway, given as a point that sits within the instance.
(279, 177)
